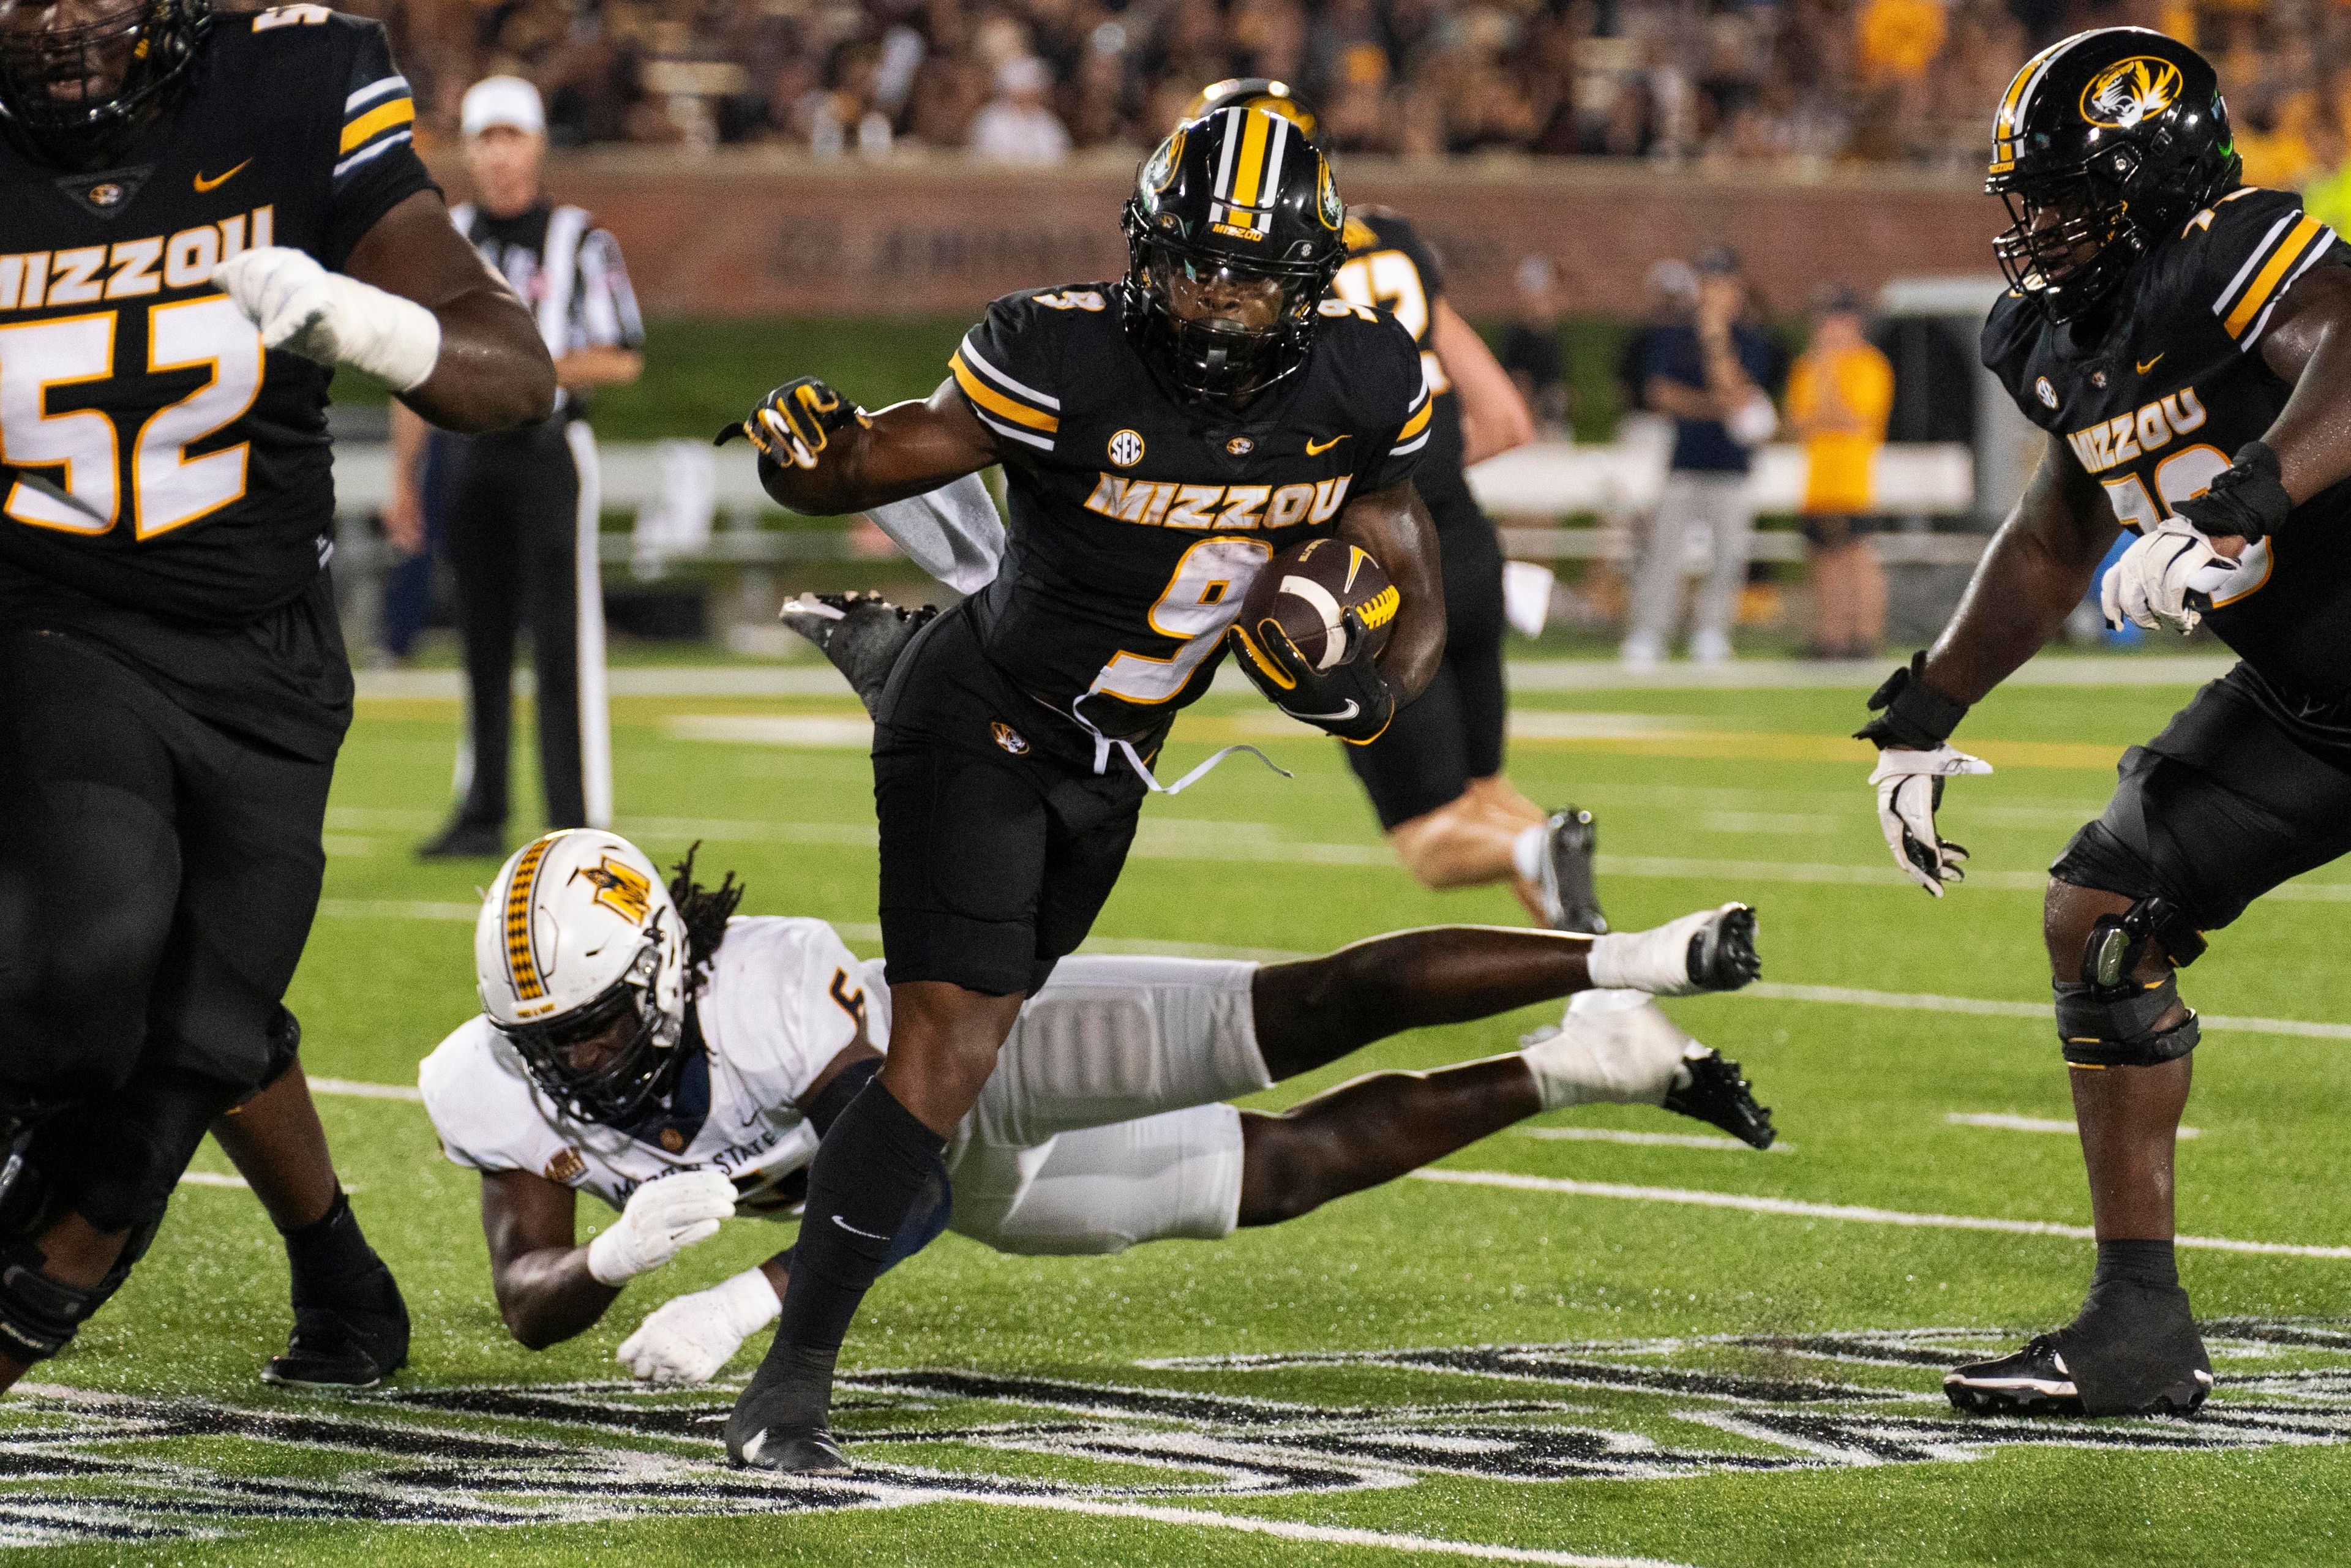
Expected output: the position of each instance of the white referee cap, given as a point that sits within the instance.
(509, 101)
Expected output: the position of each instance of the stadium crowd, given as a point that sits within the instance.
(1810, 82)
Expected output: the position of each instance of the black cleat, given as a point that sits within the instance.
(1570, 901)
(2134, 1351)
(810, 1451)
(862, 633)
(1716, 1096)
(353, 1341)
(462, 840)
(1722, 956)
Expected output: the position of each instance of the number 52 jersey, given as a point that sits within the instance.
(1139, 521)
(2159, 402)
(159, 459)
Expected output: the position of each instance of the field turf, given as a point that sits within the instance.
(1664, 1377)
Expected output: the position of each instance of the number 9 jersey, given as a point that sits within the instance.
(1139, 519)
(2159, 405)
(159, 460)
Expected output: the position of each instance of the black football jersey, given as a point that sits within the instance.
(186, 471)
(2160, 402)
(1390, 266)
(1139, 521)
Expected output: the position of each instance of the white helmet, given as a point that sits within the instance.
(577, 933)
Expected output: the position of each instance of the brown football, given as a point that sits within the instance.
(1307, 589)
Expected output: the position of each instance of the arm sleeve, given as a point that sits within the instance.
(2247, 250)
(953, 533)
(1006, 369)
(376, 166)
(608, 305)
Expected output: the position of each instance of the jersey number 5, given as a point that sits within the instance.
(170, 488)
(1200, 601)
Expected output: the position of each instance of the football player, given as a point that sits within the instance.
(207, 213)
(638, 1045)
(1436, 778)
(2185, 341)
(1162, 436)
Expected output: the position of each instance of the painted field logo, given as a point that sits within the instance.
(79, 1467)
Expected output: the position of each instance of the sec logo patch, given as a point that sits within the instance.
(2048, 394)
(1126, 448)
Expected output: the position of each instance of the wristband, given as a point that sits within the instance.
(1910, 713)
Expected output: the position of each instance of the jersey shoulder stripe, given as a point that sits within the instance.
(1007, 365)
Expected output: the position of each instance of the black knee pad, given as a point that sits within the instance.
(116, 1161)
(38, 1316)
(2099, 1033)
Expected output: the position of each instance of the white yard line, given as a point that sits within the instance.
(210, 1179)
(1927, 1002)
(1651, 1140)
(353, 1089)
(1281, 1528)
(2009, 1122)
(1791, 1208)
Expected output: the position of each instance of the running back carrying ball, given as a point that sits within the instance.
(1308, 590)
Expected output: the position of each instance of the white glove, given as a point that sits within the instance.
(1909, 788)
(2151, 584)
(302, 307)
(663, 1218)
(687, 1340)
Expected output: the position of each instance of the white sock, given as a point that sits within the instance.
(1586, 1003)
(1655, 961)
(1630, 1057)
(1527, 851)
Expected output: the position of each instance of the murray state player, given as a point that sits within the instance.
(638, 1045)
(2185, 341)
(205, 215)
(1162, 437)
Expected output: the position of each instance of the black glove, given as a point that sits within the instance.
(793, 422)
(1910, 713)
(1351, 700)
(2245, 500)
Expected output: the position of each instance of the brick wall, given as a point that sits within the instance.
(759, 237)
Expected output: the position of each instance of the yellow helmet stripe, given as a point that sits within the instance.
(522, 963)
(1250, 172)
(2019, 98)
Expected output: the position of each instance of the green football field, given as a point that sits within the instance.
(1601, 1336)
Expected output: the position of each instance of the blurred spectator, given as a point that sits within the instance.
(1839, 395)
(1530, 347)
(1714, 377)
(1016, 127)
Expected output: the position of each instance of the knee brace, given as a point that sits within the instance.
(2100, 1030)
(2117, 943)
(38, 1316)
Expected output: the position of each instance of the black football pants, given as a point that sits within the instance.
(520, 533)
(158, 878)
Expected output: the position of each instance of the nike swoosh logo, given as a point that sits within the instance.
(2147, 365)
(203, 184)
(1314, 451)
(1350, 711)
(855, 1231)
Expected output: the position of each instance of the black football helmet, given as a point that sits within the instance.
(1232, 239)
(2102, 142)
(1258, 92)
(77, 94)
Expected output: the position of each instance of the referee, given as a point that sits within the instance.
(522, 506)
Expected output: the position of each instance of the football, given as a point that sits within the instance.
(1307, 590)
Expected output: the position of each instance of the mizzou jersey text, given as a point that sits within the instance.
(187, 472)
(2159, 402)
(1138, 522)
(1390, 265)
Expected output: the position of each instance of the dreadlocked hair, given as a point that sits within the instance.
(703, 912)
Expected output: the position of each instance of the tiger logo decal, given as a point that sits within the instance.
(2129, 92)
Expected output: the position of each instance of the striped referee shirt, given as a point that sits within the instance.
(566, 272)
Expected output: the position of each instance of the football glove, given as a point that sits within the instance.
(303, 308)
(662, 1219)
(795, 422)
(1351, 700)
(690, 1339)
(2167, 579)
(1909, 790)
(2247, 499)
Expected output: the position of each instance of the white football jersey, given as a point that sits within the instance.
(783, 998)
